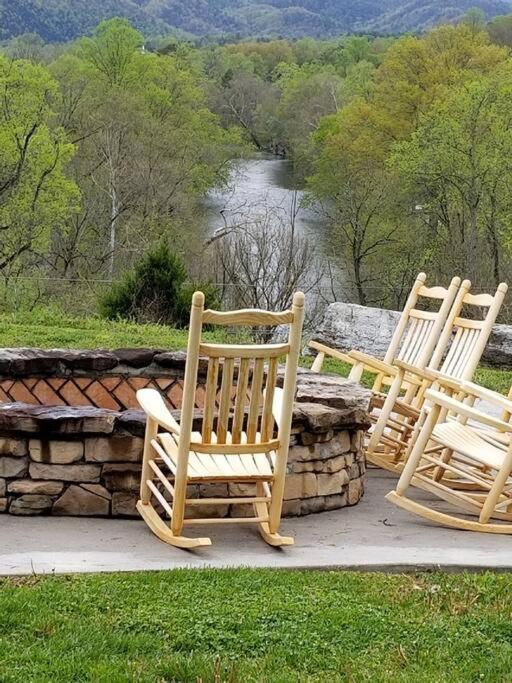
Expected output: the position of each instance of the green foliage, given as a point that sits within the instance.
(36, 198)
(243, 625)
(112, 50)
(500, 30)
(404, 143)
(459, 158)
(155, 290)
(415, 172)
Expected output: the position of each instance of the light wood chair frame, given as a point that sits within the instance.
(455, 357)
(413, 340)
(457, 438)
(256, 456)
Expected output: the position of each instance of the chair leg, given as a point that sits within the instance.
(416, 454)
(385, 412)
(164, 533)
(318, 362)
(261, 509)
(497, 488)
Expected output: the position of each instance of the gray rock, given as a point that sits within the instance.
(333, 391)
(82, 473)
(13, 447)
(350, 326)
(136, 358)
(97, 489)
(133, 421)
(48, 488)
(114, 449)
(498, 351)
(78, 502)
(24, 362)
(124, 505)
(56, 452)
(125, 477)
(13, 467)
(30, 505)
(52, 420)
(319, 418)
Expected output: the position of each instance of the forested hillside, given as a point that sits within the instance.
(60, 20)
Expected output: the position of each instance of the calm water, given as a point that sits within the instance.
(259, 185)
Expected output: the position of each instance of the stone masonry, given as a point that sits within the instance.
(84, 460)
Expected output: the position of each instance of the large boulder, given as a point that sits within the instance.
(350, 326)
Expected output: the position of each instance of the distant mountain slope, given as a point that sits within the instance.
(418, 15)
(60, 20)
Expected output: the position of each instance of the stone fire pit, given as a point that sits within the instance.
(71, 433)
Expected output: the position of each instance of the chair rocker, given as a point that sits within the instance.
(245, 432)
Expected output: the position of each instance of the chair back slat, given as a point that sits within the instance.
(432, 292)
(255, 402)
(410, 340)
(240, 401)
(209, 399)
(267, 419)
(225, 400)
(414, 343)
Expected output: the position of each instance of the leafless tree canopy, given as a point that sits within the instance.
(263, 261)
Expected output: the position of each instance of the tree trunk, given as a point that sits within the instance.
(114, 215)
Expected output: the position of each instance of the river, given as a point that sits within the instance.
(257, 185)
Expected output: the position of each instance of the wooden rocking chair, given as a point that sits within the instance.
(478, 453)
(243, 448)
(456, 357)
(413, 340)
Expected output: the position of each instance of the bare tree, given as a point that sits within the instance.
(265, 261)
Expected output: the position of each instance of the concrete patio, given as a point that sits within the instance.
(374, 535)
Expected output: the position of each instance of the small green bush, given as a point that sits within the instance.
(156, 290)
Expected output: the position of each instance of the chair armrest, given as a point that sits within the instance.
(373, 364)
(459, 408)
(334, 353)
(446, 382)
(154, 406)
(487, 395)
(423, 373)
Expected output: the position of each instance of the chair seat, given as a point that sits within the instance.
(466, 441)
(212, 466)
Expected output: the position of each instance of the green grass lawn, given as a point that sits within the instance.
(256, 625)
(51, 329)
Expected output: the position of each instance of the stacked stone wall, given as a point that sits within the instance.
(85, 460)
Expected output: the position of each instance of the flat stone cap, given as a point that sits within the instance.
(323, 402)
